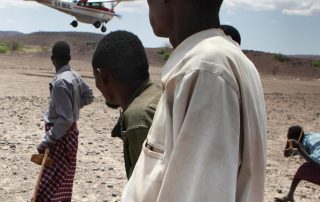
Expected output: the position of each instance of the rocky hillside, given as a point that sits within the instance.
(83, 44)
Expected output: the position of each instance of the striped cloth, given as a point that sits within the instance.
(57, 181)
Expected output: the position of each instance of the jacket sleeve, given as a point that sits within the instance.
(206, 133)
(136, 137)
(61, 99)
(86, 94)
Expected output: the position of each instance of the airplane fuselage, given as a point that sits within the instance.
(81, 11)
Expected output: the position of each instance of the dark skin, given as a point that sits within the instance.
(297, 146)
(178, 19)
(115, 93)
(58, 63)
(292, 146)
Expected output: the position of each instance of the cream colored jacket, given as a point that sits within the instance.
(208, 137)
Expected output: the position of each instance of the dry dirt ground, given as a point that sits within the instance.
(100, 171)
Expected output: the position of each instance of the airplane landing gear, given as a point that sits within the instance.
(74, 23)
(97, 24)
(103, 28)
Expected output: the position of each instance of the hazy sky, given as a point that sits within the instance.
(278, 26)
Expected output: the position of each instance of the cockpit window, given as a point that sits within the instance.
(90, 4)
(96, 4)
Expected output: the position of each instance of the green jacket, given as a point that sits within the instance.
(134, 123)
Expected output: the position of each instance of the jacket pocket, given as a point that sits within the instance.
(146, 180)
(153, 150)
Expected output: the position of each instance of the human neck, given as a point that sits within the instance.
(59, 66)
(186, 26)
(125, 102)
(125, 96)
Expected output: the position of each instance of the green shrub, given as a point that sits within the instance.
(164, 52)
(161, 51)
(3, 48)
(14, 46)
(91, 43)
(45, 49)
(316, 63)
(34, 49)
(166, 55)
(281, 58)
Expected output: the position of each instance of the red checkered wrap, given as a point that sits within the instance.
(57, 181)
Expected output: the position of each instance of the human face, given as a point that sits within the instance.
(159, 17)
(54, 62)
(104, 86)
(97, 78)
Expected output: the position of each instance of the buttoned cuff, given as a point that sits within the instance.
(48, 138)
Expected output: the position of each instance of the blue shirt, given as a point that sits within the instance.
(68, 94)
(311, 143)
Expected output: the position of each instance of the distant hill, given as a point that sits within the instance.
(83, 45)
(49, 38)
(313, 57)
(270, 64)
(6, 34)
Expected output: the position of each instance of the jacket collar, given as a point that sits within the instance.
(185, 46)
(63, 69)
(117, 130)
(140, 90)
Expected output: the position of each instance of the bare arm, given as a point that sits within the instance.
(306, 156)
(293, 148)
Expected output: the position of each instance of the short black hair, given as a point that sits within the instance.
(294, 132)
(123, 54)
(232, 32)
(61, 51)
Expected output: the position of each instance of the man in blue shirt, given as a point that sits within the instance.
(308, 146)
(68, 94)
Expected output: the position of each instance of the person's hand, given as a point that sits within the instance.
(47, 142)
(291, 148)
(293, 143)
(42, 147)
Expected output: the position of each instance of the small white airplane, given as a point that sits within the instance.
(87, 11)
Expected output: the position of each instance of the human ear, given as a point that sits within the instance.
(101, 76)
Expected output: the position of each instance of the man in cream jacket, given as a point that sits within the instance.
(208, 138)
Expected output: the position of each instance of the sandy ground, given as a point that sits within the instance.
(100, 171)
